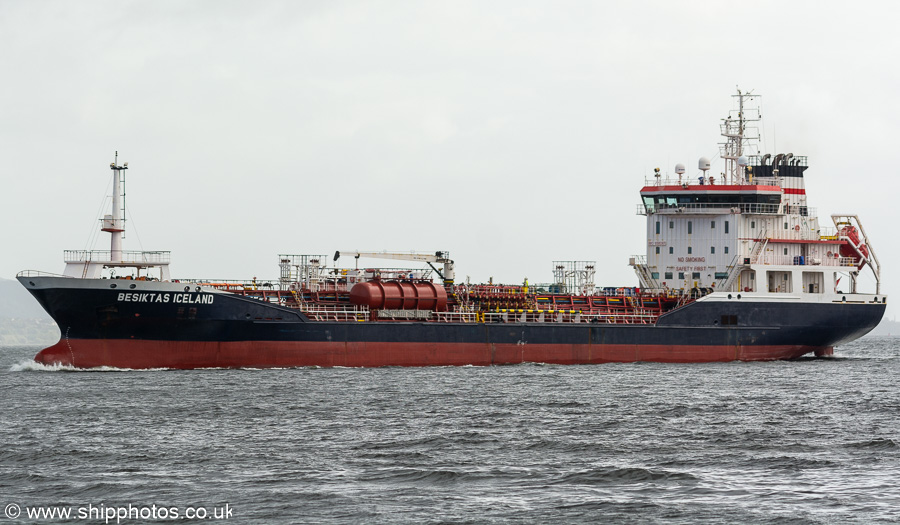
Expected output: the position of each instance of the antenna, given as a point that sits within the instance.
(740, 138)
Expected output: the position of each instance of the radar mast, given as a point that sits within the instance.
(741, 136)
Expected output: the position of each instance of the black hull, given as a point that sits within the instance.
(240, 331)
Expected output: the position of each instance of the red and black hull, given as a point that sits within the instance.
(190, 330)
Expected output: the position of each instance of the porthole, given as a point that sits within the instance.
(113, 285)
(729, 296)
(132, 286)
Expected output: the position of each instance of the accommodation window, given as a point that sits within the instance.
(668, 275)
(785, 251)
(726, 228)
(712, 225)
(785, 226)
(657, 250)
(752, 225)
(689, 250)
(712, 249)
(681, 275)
(690, 227)
(655, 275)
(671, 250)
(696, 275)
(671, 224)
(657, 227)
(726, 249)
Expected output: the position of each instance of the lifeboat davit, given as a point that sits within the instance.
(847, 250)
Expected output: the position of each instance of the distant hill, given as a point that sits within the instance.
(22, 320)
(16, 302)
(887, 327)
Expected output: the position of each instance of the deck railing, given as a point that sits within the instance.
(723, 207)
(130, 257)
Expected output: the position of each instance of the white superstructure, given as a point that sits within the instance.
(749, 229)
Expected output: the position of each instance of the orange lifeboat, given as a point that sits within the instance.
(847, 250)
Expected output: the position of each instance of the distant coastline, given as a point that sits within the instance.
(28, 332)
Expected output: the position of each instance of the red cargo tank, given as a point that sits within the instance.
(396, 295)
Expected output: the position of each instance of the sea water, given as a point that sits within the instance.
(805, 441)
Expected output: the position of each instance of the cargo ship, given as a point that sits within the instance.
(737, 267)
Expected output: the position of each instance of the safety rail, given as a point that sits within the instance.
(363, 314)
(38, 273)
(549, 316)
(128, 257)
(325, 313)
(789, 260)
(721, 207)
(695, 181)
(538, 316)
(232, 285)
(828, 233)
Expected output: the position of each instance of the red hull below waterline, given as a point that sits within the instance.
(142, 354)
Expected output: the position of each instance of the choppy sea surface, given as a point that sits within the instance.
(807, 441)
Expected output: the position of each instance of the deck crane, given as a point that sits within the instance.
(437, 257)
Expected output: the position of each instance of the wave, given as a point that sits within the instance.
(29, 365)
(875, 444)
(613, 475)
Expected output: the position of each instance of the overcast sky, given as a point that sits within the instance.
(510, 133)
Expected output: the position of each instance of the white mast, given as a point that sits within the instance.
(735, 129)
(115, 223)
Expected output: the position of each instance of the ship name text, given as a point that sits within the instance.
(178, 298)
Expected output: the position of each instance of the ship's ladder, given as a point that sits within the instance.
(760, 246)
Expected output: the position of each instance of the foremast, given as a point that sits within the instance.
(89, 264)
